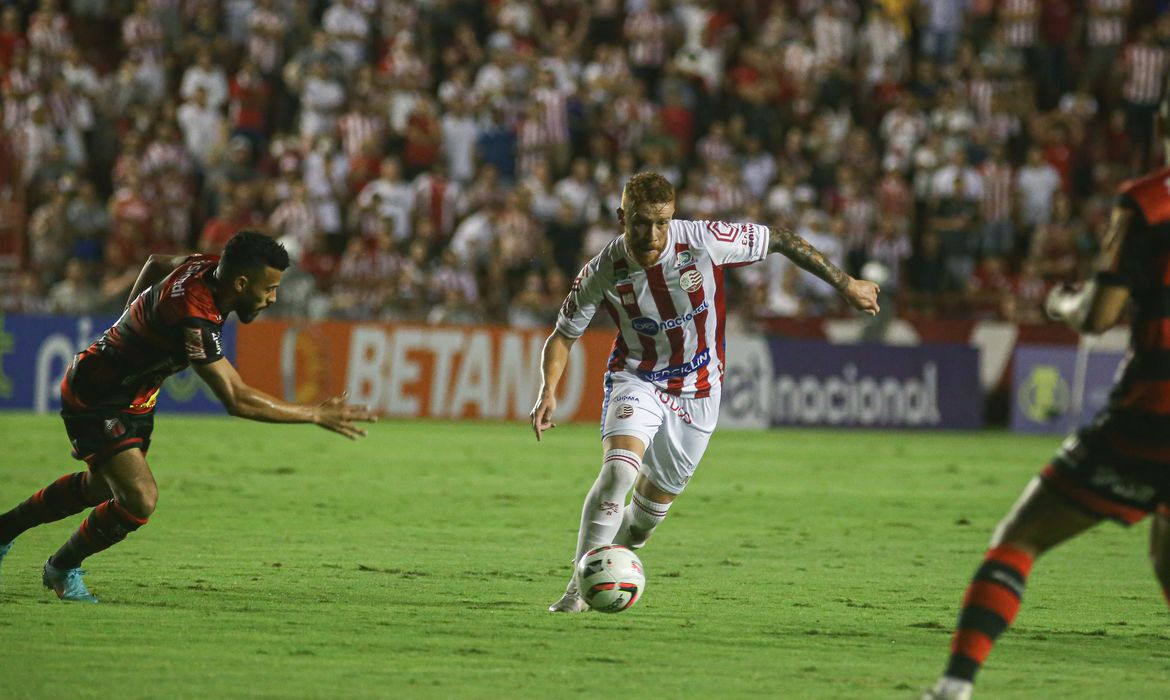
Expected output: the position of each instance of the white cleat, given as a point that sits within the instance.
(570, 602)
(949, 689)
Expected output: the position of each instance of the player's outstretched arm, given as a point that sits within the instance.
(861, 294)
(247, 402)
(155, 270)
(552, 364)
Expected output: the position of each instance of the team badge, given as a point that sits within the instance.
(690, 281)
(628, 298)
(625, 410)
(114, 428)
(683, 259)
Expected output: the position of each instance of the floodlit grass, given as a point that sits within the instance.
(285, 562)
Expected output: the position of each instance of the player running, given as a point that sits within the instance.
(174, 318)
(662, 283)
(1118, 467)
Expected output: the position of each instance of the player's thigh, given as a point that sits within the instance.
(631, 416)
(130, 481)
(679, 445)
(1041, 519)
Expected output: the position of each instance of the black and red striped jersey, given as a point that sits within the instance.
(167, 327)
(1137, 418)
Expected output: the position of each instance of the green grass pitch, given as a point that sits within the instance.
(285, 562)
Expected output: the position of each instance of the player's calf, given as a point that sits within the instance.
(68, 495)
(105, 527)
(601, 516)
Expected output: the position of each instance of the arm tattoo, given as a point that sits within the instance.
(807, 257)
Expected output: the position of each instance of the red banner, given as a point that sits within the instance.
(420, 371)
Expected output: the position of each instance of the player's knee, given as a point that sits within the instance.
(142, 501)
(618, 470)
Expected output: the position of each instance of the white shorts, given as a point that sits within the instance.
(675, 430)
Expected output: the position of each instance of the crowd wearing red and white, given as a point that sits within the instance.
(458, 161)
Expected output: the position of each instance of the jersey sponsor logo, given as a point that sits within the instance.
(627, 397)
(218, 345)
(690, 281)
(569, 307)
(648, 326)
(683, 259)
(193, 344)
(177, 289)
(674, 405)
(723, 231)
(628, 298)
(682, 370)
(645, 325)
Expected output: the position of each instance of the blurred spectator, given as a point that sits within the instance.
(206, 74)
(954, 221)
(73, 294)
(1037, 182)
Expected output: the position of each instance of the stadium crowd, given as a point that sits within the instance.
(457, 161)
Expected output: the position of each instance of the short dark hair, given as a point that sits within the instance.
(251, 250)
(649, 188)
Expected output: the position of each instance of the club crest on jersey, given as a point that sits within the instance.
(625, 411)
(114, 428)
(690, 281)
(628, 298)
(683, 259)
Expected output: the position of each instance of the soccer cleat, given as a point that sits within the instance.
(4, 550)
(570, 602)
(949, 689)
(67, 584)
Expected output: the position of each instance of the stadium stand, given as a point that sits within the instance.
(457, 161)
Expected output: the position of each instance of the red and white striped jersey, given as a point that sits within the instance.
(1145, 73)
(1106, 23)
(670, 316)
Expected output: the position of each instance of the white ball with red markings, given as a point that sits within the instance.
(611, 578)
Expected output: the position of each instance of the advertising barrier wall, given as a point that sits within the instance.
(1055, 389)
(36, 350)
(776, 382)
(421, 371)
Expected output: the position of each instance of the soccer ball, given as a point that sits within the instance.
(610, 578)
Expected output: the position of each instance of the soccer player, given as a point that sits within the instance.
(1116, 468)
(662, 283)
(176, 312)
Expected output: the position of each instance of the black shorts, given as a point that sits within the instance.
(1099, 480)
(98, 435)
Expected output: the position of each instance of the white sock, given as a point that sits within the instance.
(639, 521)
(601, 516)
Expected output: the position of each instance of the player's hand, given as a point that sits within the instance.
(862, 295)
(337, 415)
(1056, 303)
(541, 415)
